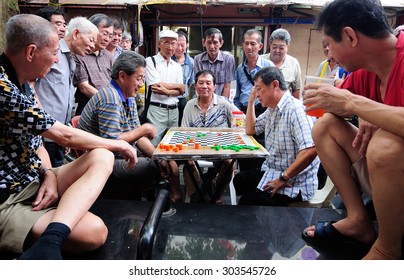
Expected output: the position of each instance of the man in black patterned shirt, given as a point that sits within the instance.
(28, 184)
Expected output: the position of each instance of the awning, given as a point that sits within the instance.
(303, 3)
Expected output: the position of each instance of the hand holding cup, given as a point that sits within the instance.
(312, 79)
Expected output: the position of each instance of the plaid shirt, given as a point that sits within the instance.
(21, 123)
(287, 132)
(223, 67)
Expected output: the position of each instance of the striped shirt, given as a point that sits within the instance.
(107, 114)
(217, 115)
(223, 67)
(288, 131)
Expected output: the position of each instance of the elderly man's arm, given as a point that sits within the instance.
(146, 130)
(250, 118)
(304, 158)
(226, 90)
(87, 89)
(79, 139)
(178, 88)
(48, 192)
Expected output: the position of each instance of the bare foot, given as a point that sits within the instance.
(360, 231)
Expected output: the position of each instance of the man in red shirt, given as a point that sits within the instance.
(368, 158)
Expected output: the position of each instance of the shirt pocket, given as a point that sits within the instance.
(220, 77)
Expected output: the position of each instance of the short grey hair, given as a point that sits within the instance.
(126, 36)
(101, 20)
(25, 29)
(82, 24)
(280, 34)
(127, 61)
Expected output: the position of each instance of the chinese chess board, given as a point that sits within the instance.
(206, 138)
(183, 143)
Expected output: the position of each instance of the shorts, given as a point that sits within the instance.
(17, 218)
(359, 171)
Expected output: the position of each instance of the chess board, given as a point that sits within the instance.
(208, 143)
(206, 139)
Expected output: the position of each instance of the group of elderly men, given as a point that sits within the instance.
(30, 186)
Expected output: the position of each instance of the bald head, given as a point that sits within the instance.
(26, 29)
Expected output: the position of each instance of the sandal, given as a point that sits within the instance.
(326, 233)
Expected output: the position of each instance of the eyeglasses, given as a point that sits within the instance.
(172, 44)
(107, 35)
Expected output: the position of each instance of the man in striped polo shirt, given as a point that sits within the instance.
(112, 113)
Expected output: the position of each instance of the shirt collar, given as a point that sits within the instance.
(286, 98)
(161, 58)
(120, 93)
(220, 57)
(63, 46)
(9, 70)
(186, 61)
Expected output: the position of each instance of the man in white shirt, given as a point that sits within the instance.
(164, 75)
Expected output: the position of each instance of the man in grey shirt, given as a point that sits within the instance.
(56, 91)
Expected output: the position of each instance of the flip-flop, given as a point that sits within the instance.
(325, 233)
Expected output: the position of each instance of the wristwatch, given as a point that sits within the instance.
(283, 177)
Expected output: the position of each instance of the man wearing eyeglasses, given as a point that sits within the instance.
(164, 75)
(93, 71)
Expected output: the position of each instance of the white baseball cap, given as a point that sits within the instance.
(168, 34)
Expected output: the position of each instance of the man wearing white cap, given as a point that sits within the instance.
(164, 75)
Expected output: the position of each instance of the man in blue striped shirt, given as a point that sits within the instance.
(112, 113)
(290, 174)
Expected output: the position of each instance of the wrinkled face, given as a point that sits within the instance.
(84, 43)
(132, 83)
(212, 45)
(45, 57)
(126, 44)
(264, 92)
(341, 52)
(181, 46)
(251, 46)
(104, 37)
(167, 46)
(59, 22)
(279, 49)
(204, 86)
(116, 37)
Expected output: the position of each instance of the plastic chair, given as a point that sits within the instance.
(322, 198)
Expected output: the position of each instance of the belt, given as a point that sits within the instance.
(165, 106)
